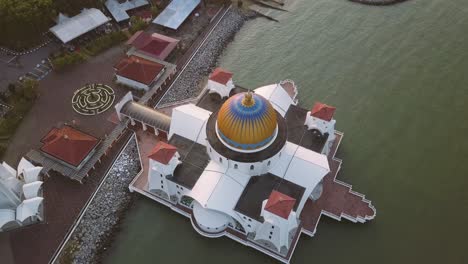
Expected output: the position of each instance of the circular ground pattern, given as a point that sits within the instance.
(93, 99)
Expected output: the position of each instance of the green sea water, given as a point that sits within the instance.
(399, 78)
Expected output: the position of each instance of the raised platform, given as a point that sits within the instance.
(338, 201)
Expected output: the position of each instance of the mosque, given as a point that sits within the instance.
(247, 164)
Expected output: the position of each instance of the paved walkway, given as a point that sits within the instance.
(10, 72)
(337, 199)
(54, 107)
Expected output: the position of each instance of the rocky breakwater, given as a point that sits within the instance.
(101, 218)
(188, 85)
(378, 2)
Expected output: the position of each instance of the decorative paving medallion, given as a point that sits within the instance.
(93, 99)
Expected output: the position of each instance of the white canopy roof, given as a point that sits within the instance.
(189, 121)
(119, 10)
(176, 13)
(87, 20)
(27, 208)
(307, 168)
(6, 216)
(277, 96)
(30, 190)
(217, 191)
(29, 171)
(7, 168)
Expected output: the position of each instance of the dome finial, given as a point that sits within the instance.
(248, 99)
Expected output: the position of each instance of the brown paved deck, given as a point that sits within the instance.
(64, 200)
(336, 199)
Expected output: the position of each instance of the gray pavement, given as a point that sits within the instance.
(12, 68)
(54, 106)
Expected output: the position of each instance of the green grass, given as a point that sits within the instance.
(21, 101)
(93, 48)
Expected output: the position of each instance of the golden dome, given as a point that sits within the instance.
(247, 121)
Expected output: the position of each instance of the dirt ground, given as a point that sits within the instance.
(53, 108)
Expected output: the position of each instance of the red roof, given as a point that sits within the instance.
(162, 152)
(155, 45)
(68, 144)
(280, 204)
(323, 111)
(221, 76)
(138, 69)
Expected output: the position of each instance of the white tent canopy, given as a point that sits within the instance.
(68, 29)
(6, 216)
(28, 208)
(31, 190)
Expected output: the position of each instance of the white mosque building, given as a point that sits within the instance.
(21, 198)
(252, 167)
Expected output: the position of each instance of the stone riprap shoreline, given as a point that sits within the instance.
(95, 230)
(378, 2)
(188, 84)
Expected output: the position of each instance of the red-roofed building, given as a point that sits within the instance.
(280, 204)
(138, 72)
(69, 145)
(220, 82)
(323, 111)
(221, 76)
(162, 152)
(154, 45)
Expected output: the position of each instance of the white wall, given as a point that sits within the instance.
(222, 90)
(275, 228)
(158, 172)
(324, 127)
(131, 83)
(259, 168)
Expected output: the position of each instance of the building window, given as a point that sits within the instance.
(162, 186)
(269, 237)
(177, 186)
(249, 226)
(161, 174)
(269, 162)
(178, 192)
(271, 233)
(250, 220)
(220, 160)
(245, 217)
(162, 182)
(272, 227)
(210, 150)
(280, 155)
(251, 167)
(236, 166)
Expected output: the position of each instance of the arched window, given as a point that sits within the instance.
(235, 166)
(251, 167)
(269, 162)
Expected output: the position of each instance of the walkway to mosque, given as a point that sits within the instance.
(337, 200)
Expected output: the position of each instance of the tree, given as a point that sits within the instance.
(12, 88)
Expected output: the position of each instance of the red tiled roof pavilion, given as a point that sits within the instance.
(221, 76)
(154, 45)
(162, 152)
(138, 69)
(68, 144)
(323, 111)
(280, 204)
